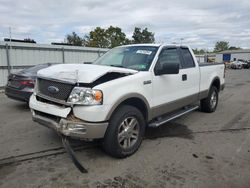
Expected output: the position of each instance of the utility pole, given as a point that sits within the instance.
(10, 33)
(206, 55)
(181, 40)
(10, 49)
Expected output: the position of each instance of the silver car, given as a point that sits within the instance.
(237, 64)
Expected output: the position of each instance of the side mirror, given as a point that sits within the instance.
(167, 68)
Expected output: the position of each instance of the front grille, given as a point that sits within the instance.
(64, 89)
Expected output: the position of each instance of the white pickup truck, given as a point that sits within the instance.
(124, 91)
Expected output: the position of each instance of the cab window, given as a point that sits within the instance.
(169, 55)
(188, 61)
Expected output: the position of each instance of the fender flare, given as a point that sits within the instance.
(214, 79)
(126, 97)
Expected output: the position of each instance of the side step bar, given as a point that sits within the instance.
(170, 117)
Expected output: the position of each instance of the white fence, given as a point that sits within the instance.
(15, 56)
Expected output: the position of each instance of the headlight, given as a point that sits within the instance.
(85, 96)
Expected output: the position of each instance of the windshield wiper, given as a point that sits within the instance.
(117, 66)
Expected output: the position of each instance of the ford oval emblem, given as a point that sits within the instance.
(53, 89)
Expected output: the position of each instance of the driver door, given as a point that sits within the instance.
(169, 92)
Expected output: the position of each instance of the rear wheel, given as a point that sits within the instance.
(210, 103)
(125, 132)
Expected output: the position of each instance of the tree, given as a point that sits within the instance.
(106, 38)
(97, 38)
(142, 36)
(74, 39)
(110, 37)
(199, 51)
(29, 40)
(116, 37)
(234, 48)
(221, 46)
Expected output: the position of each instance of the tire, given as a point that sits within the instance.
(126, 127)
(210, 103)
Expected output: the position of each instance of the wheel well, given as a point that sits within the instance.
(216, 83)
(139, 104)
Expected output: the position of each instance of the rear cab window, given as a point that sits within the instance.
(188, 61)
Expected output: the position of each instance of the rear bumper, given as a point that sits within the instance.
(63, 121)
(20, 95)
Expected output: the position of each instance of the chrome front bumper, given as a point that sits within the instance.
(62, 121)
(74, 129)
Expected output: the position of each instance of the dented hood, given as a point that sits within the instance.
(82, 73)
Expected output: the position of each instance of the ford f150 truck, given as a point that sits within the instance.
(124, 91)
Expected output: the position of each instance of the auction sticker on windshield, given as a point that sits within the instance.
(146, 52)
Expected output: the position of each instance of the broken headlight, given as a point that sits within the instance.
(85, 96)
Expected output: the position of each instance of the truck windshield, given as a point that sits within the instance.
(132, 57)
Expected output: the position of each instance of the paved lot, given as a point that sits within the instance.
(197, 150)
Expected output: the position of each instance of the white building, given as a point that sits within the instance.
(15, 56)
(200, 58)
(206, 58)
(233, 55)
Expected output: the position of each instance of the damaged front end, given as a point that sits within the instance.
(71, 126)
(68, 126)
(62, 96)
(54, 102)
(105, 78)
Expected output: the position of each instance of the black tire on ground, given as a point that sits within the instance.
(210, 103)
(119, 140)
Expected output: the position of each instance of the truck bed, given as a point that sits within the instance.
(208, 72)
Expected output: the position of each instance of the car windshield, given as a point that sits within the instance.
(132, 57)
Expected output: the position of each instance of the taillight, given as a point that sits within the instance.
(29, 83)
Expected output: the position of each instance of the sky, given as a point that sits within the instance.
(199, 23)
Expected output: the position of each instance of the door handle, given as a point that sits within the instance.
(184, 77)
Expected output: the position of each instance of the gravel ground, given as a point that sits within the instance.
(196, 150)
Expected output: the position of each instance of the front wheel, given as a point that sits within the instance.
(210, 103)
(125, 132)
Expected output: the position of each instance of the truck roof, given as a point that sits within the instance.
(156, 45)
